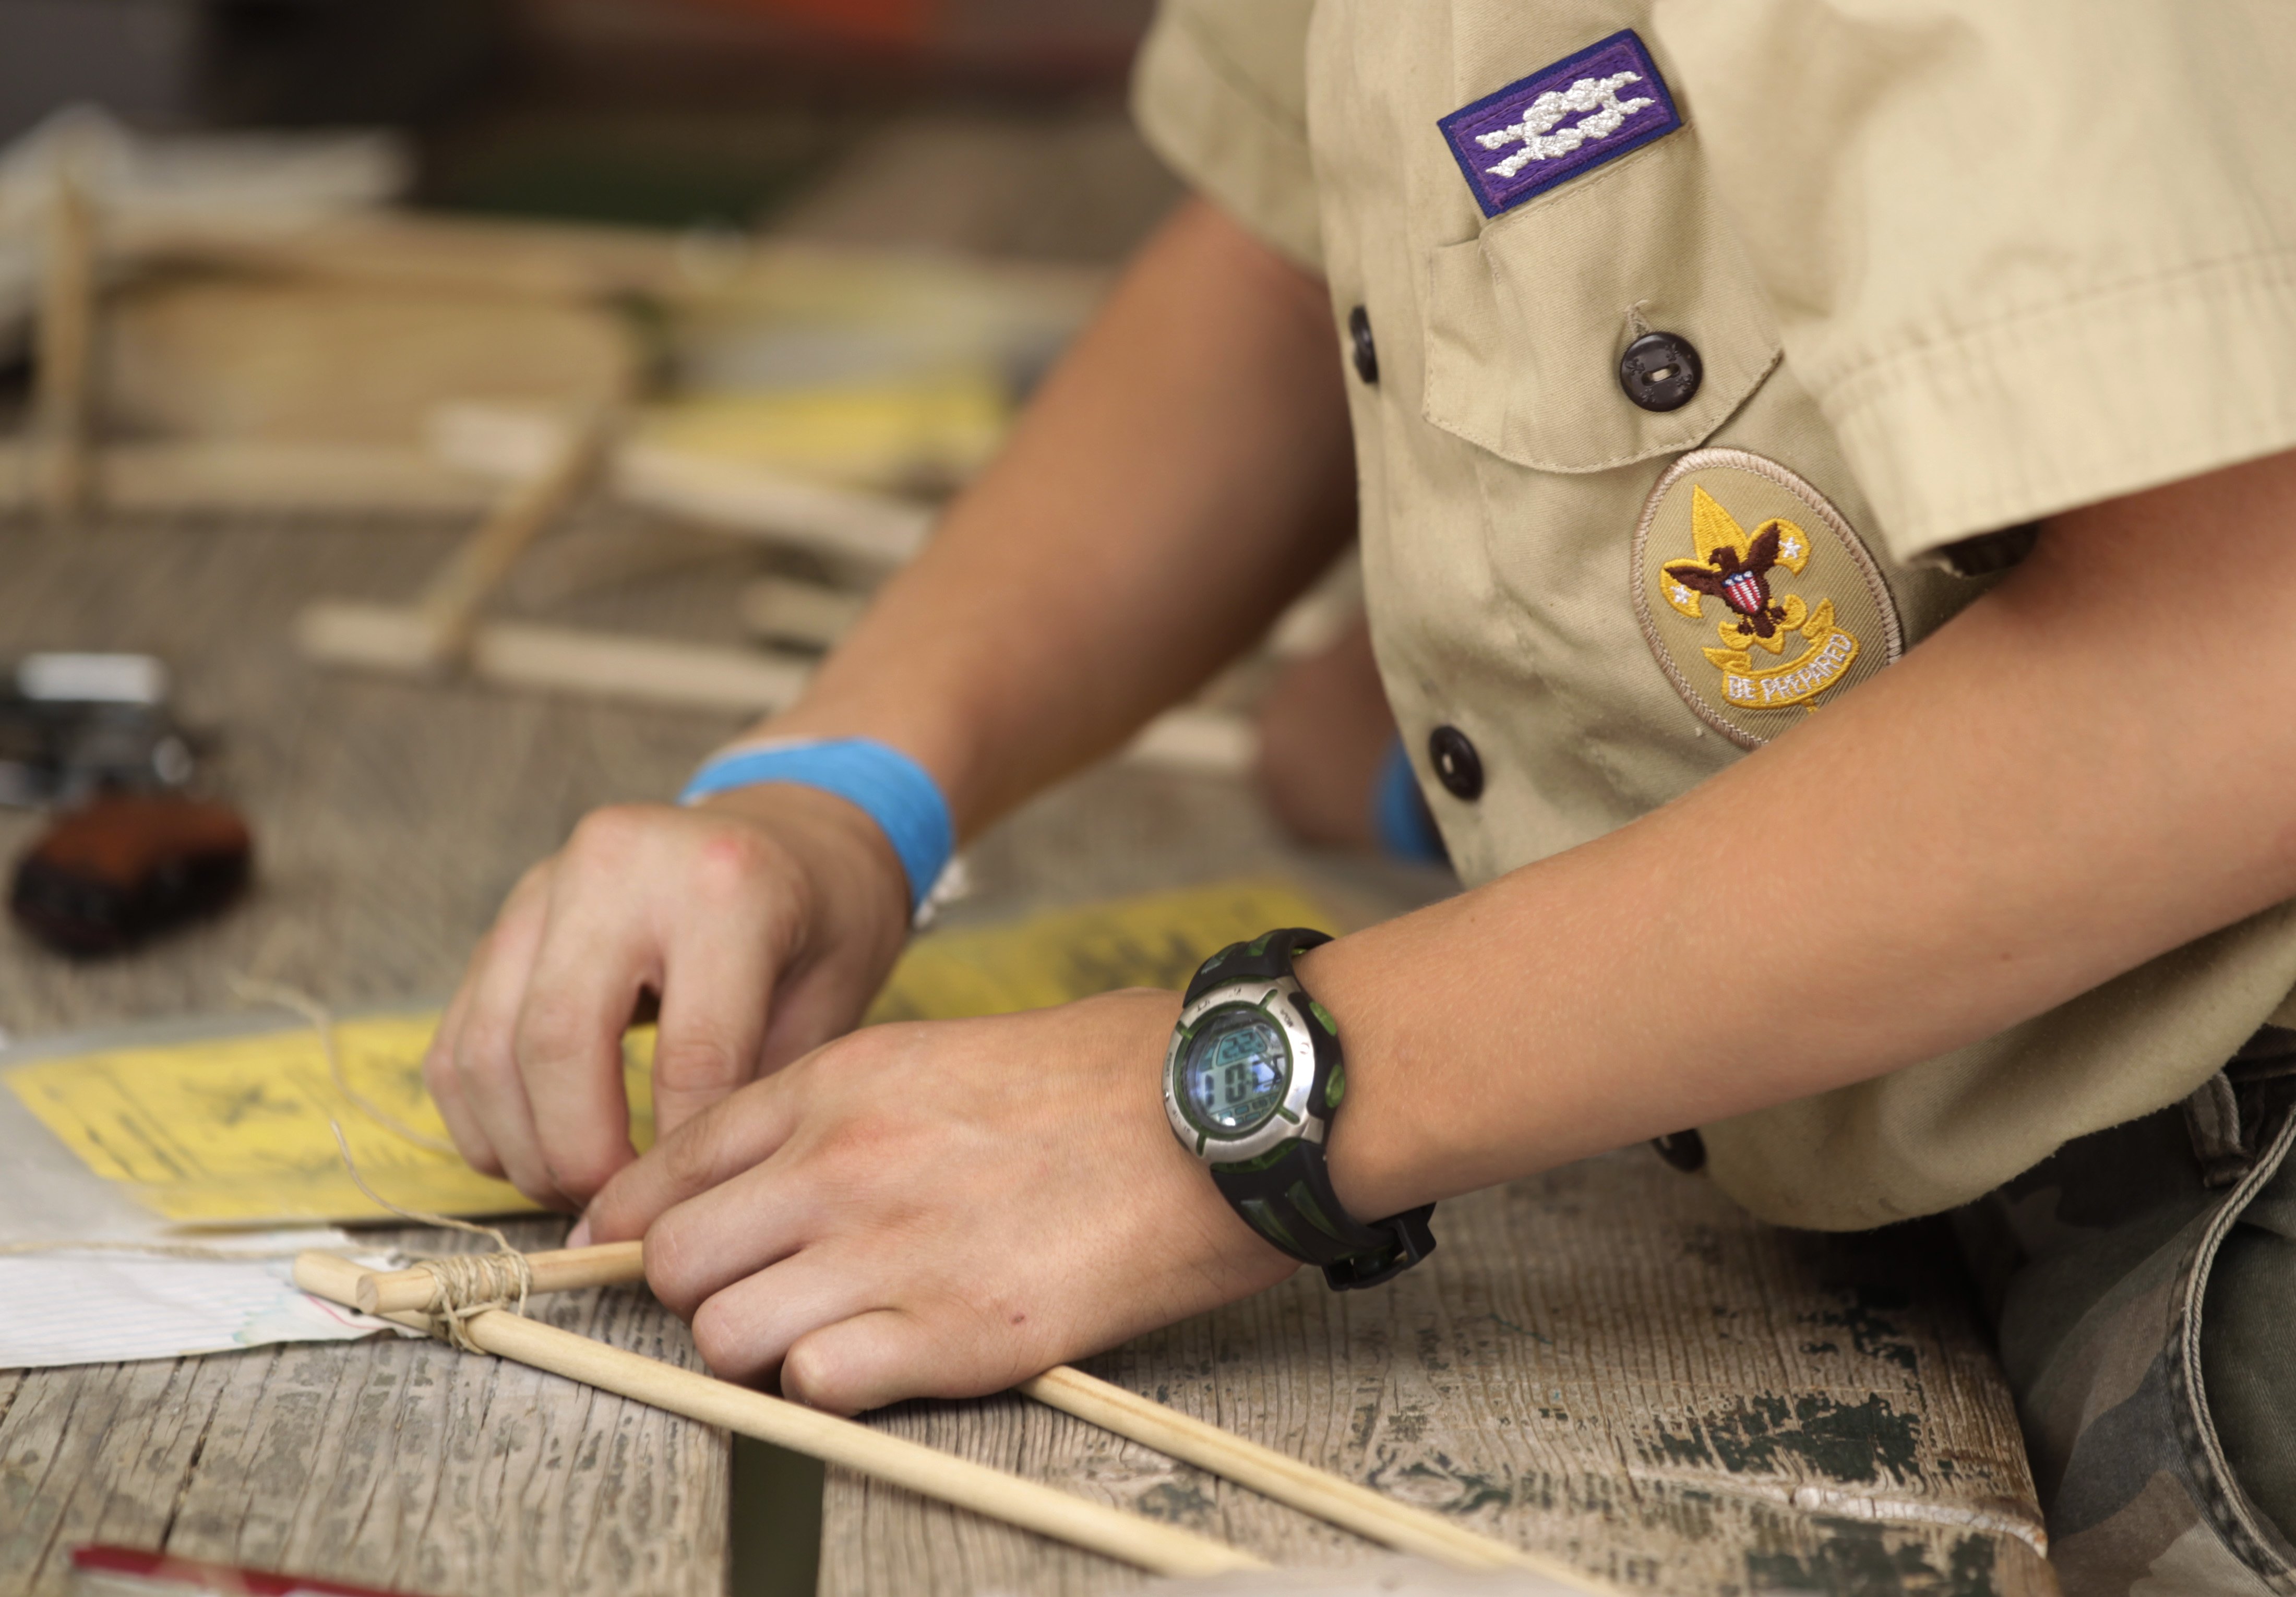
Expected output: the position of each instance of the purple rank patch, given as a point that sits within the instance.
(1559, 121)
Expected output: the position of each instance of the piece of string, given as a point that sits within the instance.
(463, 1285)
(251, 990)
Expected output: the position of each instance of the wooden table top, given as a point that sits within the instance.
(1610, 1363)
(391, 818)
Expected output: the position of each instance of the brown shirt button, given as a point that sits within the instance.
(1457, 766)
(1685, 1151)
(1660, 370)
(1366, 352)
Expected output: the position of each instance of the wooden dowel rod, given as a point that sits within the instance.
(1161, 1548)
(1327, 1497)
(449, 605)
(560, 1270)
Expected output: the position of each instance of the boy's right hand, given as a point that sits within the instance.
(764, 920)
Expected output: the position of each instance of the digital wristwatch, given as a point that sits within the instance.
(1253, 1079)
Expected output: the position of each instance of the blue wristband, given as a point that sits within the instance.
(892, 789)
(1400, 817)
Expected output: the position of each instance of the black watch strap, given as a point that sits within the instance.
(1286, 1196)
(1290, 1202)
(1268, 956)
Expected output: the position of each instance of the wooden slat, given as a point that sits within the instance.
(1610, 1364)
(390, 818)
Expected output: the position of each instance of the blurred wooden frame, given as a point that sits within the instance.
(66, 467)
(547, 464)
(521, 472)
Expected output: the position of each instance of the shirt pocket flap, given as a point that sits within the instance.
(1526, 323)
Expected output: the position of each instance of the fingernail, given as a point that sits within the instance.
(579, 1237)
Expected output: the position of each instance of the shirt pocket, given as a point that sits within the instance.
(1525, 323)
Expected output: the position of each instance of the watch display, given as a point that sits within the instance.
(1236, 1069)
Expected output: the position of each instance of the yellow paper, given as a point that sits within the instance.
(234, 1131)
(938, 427)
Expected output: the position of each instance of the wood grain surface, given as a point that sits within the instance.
(391, 818)
(1610, 1363)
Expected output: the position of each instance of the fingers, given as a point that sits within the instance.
(742, 1332)
(445, 1086)
(725, 952)
(484, 1042)
(734, 1136)
(863, 1362)
(589, 964)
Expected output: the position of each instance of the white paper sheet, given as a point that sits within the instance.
(96, 1307)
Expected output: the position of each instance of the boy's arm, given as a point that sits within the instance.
(2089, 766)
(2092, 765)
(1181, 475)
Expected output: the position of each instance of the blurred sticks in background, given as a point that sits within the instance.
(619, 285)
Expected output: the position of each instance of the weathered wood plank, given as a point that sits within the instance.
(391, 818)
(1610, 1364)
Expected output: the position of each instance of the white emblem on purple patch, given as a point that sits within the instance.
(1561, 120)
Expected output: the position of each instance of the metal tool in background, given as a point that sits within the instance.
(131, 852)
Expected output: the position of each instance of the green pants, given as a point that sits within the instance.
(2144, 1283)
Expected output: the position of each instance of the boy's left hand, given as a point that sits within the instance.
(941, 1209)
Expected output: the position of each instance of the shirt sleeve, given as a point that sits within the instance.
(1220, 90)
(2027, 255)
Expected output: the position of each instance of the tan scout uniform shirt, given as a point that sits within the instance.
(1948, 266)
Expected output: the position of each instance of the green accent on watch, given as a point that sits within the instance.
(1336, 1088)
(1324, 1015)
(1305, 1202)
(1246, 1167)
(1268, 1224)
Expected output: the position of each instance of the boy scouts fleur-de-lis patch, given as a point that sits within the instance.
(1756, 597)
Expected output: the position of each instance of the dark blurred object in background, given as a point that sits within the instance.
(176, 63)
(72, 725)
(1015, 43)
(662, 113)
(129, 855)
(129, 867)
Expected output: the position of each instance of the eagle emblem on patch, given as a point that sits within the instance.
(1756, 597)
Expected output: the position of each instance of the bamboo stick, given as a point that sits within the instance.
(448, 610)
(874, 532)
(518, 654)
(1330, 1497)
(559, 1270)
(778, 610)
(566, 659)
(1161, 1548)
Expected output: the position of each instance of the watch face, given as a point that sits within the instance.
(1235, 1069)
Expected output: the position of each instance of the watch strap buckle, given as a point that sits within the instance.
(1414, 1240)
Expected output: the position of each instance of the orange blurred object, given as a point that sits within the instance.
(906, 23)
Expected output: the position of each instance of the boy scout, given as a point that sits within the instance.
(1821, 473)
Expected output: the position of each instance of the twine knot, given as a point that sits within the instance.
(465, 1284)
